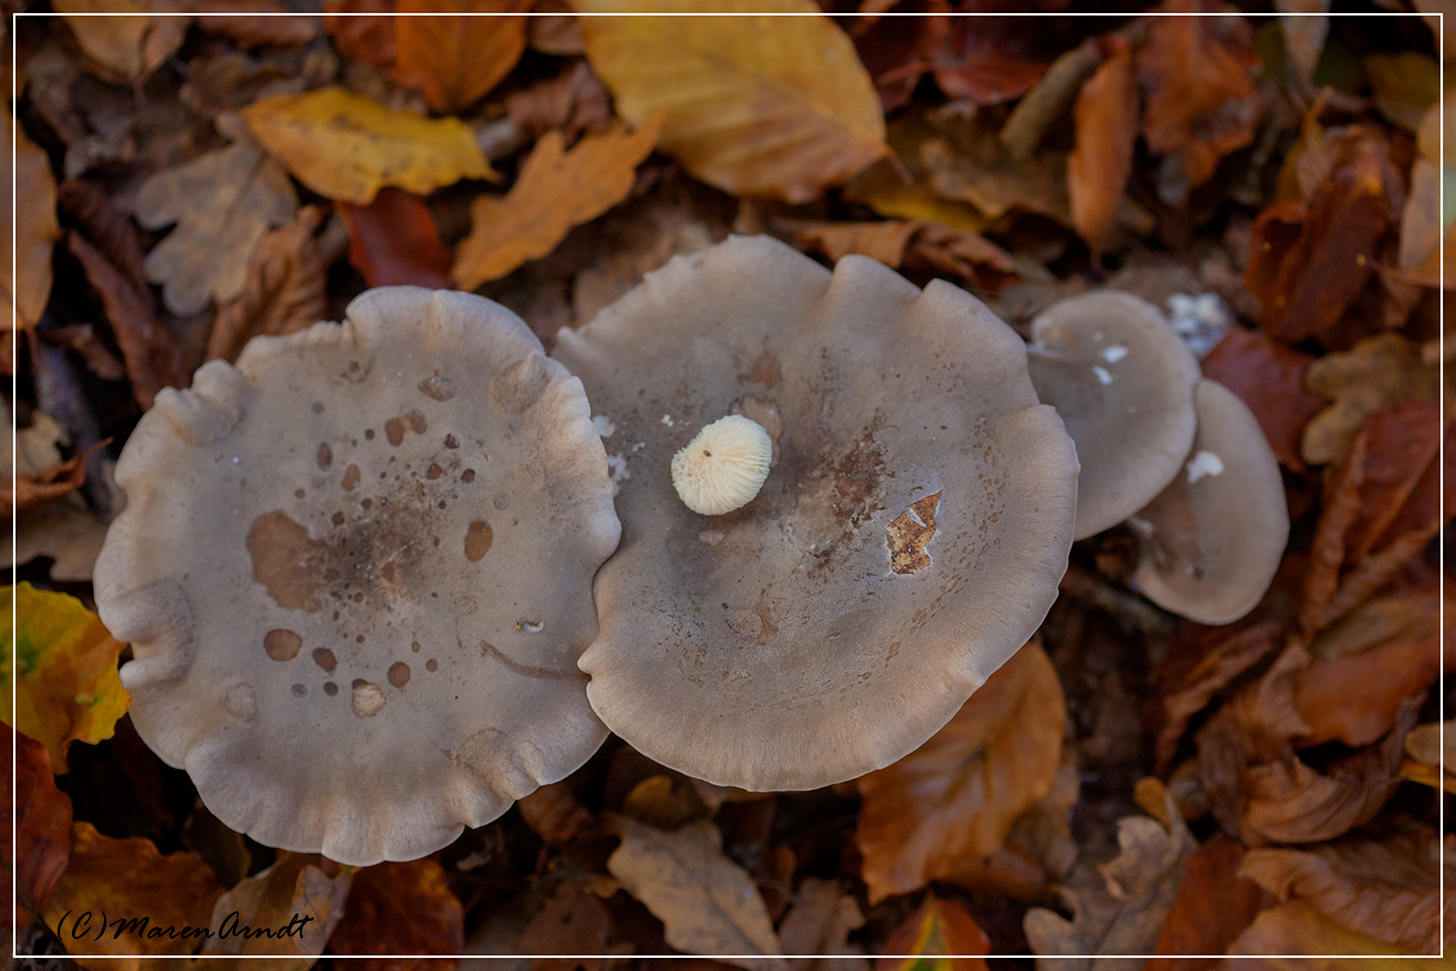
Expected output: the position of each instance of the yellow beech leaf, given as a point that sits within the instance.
(36, 231)
(63, 662)
(123, 49)
(556, 190)
(756, 105)
(345, 146)
(1294, 936)
(454, 60)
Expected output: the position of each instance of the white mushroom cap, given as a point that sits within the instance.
(723, 467)
(1122, 381)
(1213, 539)
(355, 570)
(908, 540)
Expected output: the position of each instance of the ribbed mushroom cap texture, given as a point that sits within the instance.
(1213, 539)
(355, 571)
(909, 537)
(1123, 383)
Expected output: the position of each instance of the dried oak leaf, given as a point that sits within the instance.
(41, 815)
(916, 244)
(400, 908)
(938, 929)
(707, 903)
(556, 190)
(63, 662)
(820, 922)
(1388, 889)
(345, 146)
(746, 110)
(1268, 377)
(284, 291)
(1296, 937)
(139, 890)
(1118, 907)
(1202, 103)
(574, 921)
(394, 241)
(1378, 371)
(1106, 119)
(278, 28)
(979, 170)
(36, 231)
(456, 59)
(221, 202)
(123, 49)
(953, 800)
(369, 40)
(574, 101)
(1214, 904)
(298, 885)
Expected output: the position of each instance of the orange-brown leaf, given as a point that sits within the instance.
(394, 241)
(1214, 904)
(1355, 699)
(400, 908)
(240, 21)
(575, 102)
(553, 813)
(27, 492)
(937, 930)
(556, 190)
(455, 60)
(954, 799)
(36, 231)
(914, 245)
(295, 886)
(1106, 118)
(1268, 377)
(1293, 936)
(284, 291)
(42, 819)
(369, 40)
(574, 921)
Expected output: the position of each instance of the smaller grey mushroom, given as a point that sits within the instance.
(1213, 538)
(1122, 382)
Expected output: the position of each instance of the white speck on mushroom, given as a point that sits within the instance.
(1202, 464)
(1103, 375)
(667, 420)
(617, 472)
(605, 426)
(724, 466)
(1114, 353)
(530, 626)
(236, 460)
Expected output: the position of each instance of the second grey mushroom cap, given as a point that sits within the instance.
(908, 540)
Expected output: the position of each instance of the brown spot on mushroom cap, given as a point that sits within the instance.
(281, 644)
(177, 576)
(1122, 382)
(910, 533)
(351, 478)
(886, 393)
(399, 674)
(477, 540)
(437, 387)
(325, 455)
(324, 658)
(1212, 540)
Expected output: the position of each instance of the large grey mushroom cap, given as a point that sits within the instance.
(1122, 381)
(355, 570)
(908, 540)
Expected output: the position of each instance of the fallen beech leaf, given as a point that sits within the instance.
(1406, 84)
(1383, 370)
(574, 921)
(369, 40)
(556, 190)
(954, 799)
(884, 188)
(707, 903)
(984, 174)
(746, 110)
(1355, 699)
(64, 666)
(913, 245)
(344, 146)
(400, 908)
(1106, 117)
(1118, 907)
(1293, 937)
(554, 30)
(553, 813)
(1268, 377)
(139, 891)
(1048, 100)
(1202, 103)
(665, 802)
(1214, 904)
(819, 922)
(1387, 889)
(284, 291)
(985, 59)
(455, 60)
(295, 887)
(574, 102)
(27, 492)
(41, 815)
(1304, 37)
(938, 929)
(394, 241)
(105, 227)
(123, 49)
(221, 202)
(896, 51)
(249, 30)
(1424, 743)
(36, 231)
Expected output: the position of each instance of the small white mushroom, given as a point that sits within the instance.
(723, 467)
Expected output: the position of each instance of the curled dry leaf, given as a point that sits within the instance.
(1427, 755)
(953, 800)
(139, 889)
(574, 921)
(746, 110)
(369, 40)
(556, 190)
(574, 102)
(284, 291)
(984, 59)
(1293, 937)
(221, 203)
(456, 59)
(553, 29)
(400, 908)
(345, 146)
(299, 885)
(123, 49)
(1215, 903)
(27, 492)
(1106, 118)
(1378, 371)
(63, 662)
(1355, 699)
(36, 231)
(1388, 889)
(980, 171)
(938, 929)
(394, 241)
(819, 922)
(1202, 103)
(913, 245)
(1050, 98)
(242, 24)
(885, 188)
(553, 813)
(41, 815)
(1268, 377)
(707, 903)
